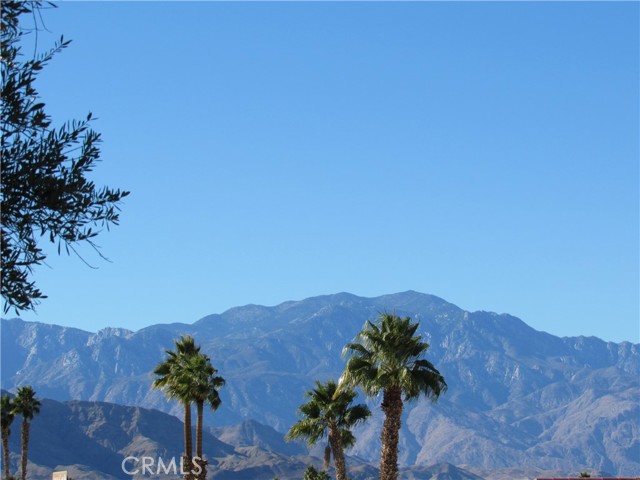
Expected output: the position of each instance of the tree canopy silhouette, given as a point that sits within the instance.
(45, 189)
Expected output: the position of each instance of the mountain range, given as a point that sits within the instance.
(517, 397)
(91, 440)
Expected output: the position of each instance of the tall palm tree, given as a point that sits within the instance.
(171, 377)
(203, 385)
(328, 412)
(6, 411)
(387, 357)
(26, 404)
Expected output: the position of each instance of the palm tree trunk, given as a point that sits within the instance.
(392, 408)
(5, 450)
(335, 441)
(199, 422)
(188, 445)
(25, 446)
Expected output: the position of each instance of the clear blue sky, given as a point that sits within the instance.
(486, 153)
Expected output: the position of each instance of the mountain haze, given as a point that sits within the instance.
(517, 396)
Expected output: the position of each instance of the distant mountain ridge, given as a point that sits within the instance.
(517, 397)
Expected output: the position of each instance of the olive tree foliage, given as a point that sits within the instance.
(45, 190)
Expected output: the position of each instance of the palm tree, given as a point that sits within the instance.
(312, 474)
(203, 385)
(171, 379)
(329, 410)
(6, 411)
(386, 357)
(26, 404)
